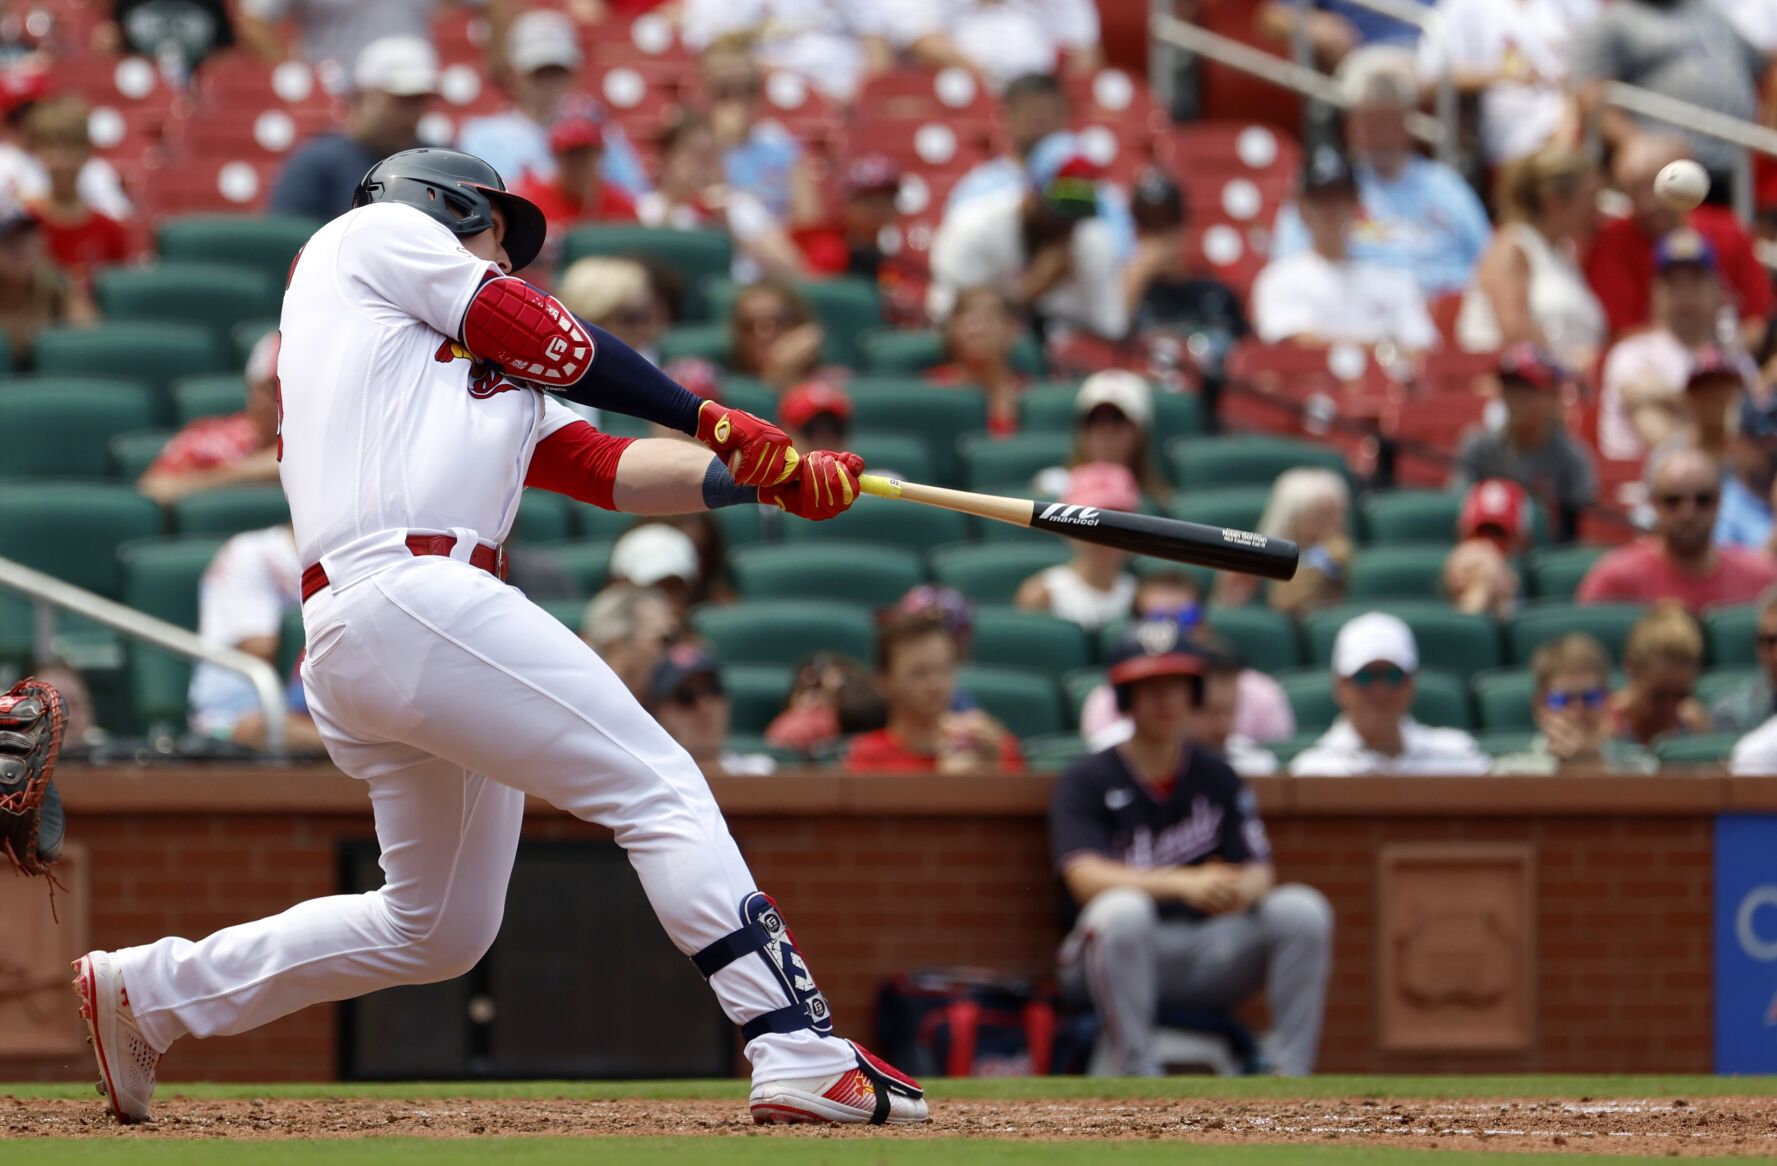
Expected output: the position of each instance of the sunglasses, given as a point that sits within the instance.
(1591, 698)
(691, 695)
(1388, 676)
(1704, 499)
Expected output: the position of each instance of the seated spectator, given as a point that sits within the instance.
(1642, 400)
(1494, 527)
(659, 557)
(1663, 659)
(249, 587)
(690, 194)
(1529, 287)
(1418, 215)
(1212, 724)
(916, 668)
(1748, 705)
(34, 295)
(1094, 587)
(630, 628)
(619, 296)
(978, 339)
(1046, 249)
(1322, 294)
(577, 193)
(1745, 518)
(1162, 294)
(1755, 755)
(76, 235)
(236, 450)
(1572, 714)
(331, 34)
(835, 45)
(1532, 447)
(392, 84)
(1336, 27)
(816, 414)
(1513, 59)
(1161, 849)
(22, 176)
(773, 335)
(1311, 507)
(759, 156)
(849, 242)
(692, 706)
(832, 696)
(1113, 412)
(1002, 41)
(1375, 660)
(1678, 560)
(1623, 259)
(1719, 380)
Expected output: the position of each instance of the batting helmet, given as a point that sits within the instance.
(1153, 647)
(460, 191)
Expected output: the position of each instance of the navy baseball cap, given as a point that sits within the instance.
(1328, 172)
(1684, 247)
(1154, 647)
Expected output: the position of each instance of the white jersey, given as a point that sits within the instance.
(385, 424)
(244, 594)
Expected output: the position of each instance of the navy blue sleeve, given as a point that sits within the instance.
(1079, 823)
(622, 380)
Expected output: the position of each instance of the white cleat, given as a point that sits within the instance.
(875, 1092)
(126, 1060)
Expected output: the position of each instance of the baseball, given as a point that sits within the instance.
(1681, 185)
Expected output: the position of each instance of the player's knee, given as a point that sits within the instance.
(1296, 911)
(1121, 913)
(445, 943)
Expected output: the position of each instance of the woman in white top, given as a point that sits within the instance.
(1094, 587)
(1528, 285)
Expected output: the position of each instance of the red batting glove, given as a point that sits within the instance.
(826, 487)
(757, 452)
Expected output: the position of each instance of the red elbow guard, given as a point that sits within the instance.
(528, 333)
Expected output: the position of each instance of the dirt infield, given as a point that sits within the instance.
(1656, 1126)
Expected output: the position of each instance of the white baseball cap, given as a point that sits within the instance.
(1374, 638)
(541, 38)
(1127, 392)
(405, 66)
(650, 553)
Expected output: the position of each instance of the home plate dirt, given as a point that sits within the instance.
(1658, 1126)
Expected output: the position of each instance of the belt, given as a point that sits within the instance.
(489, 559)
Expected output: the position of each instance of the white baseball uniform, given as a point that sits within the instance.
(443, 688)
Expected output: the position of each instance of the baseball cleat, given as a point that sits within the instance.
(875, 1092)
(126, 1060)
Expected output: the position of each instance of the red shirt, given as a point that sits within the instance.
(1641, 573)
(607, 205)
(883, 752)
(207, 443)
(1620, 268)
(78, 247)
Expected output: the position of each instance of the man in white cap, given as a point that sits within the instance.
(659, 556)
(1375, 660)
(543, 59)
(392, 83)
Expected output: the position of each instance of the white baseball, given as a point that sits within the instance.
(1681, 185)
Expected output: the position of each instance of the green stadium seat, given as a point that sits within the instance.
(742, 526)
(844, 307)
(1449, 640)
(1719, 681)
(130, 454)
(1008, 638)
(1026, 702)
(913, 350)
(7, 364)
(1239, 507)
(1502, 698)
(885, 523)
(991, 573)
(1732, 633)
(900, 455)
(1538, 623)
(1285, 750)
(1504, 742)
(940, 416)
(1265, 638)
(1052, 754)
(1555, 572)
(586, 563)
(155, 354)
(291, 642)
(72, 529)
(568, 611)
(1441, 699)
(230, 510)
(751, 394)
(692, 255)
(1199, 463)
(584, 520)
(211, 294)
(1425, 516)
(757, 694)
(707, 341)
(245, 337)
(1696, 748)
(1076, 686)
(546, 518)
(266, 244)
(860, 573)
(64, 430)
(1003, 463)
(160, 577)
(216, 395)
(1397, 572)
(783, 631)
(1049, 408)
(755, 743)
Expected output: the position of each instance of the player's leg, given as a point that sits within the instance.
(1111, 959)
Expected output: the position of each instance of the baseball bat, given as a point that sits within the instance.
(1222, 548)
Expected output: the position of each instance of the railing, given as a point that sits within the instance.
(1431, 24)
(48, 592)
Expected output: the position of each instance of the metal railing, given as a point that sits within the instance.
(47, 592)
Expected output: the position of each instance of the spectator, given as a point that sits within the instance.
(831, 696)
(836, 44)
(77, 236)
(850, 241)
(1678, 561)
(1113, 416)
(333, 34)
(392, 84)
(578, 192)
(693, 707)
(1375, 660)
(543, 62)
(1336, 27)
(1418, 215)
(759, 156)
(1750, 704)
(619, 295)
(1046, 249)
(236, 450)
(1094, 587)
(1719, 381)
(1663, 658)
(1311, 507)
(1571, 710)
(1511, 55)
(1755, 755)
(1745, 517)
(660, 557)
(690, 194)
(1623, 260)
(1323, 294)
(34, 295)
(916, 668)
(1642, 402)
(630, 628)
(177, 36)
(1532, 447)
(1162, 294)
(249, 587)
(773, 336)
(979, 338)
(1001, 40)
(22, 176)
(1529, 286)
(1494, 527)
(1161, 849)
(816, 414)
(715, 582)
(1211, 725)
(1633, 41)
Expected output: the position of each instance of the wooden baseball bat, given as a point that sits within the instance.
(1222, 548)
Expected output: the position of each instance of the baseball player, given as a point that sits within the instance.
(419, 396)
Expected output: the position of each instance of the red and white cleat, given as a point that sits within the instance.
(875, 1092)
(126, 1060)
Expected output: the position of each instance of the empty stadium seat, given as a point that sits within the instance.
(692, 255)
(1242, 460)
(757, 694)
(63, 429)
(1449, 640)
(1556, 572)
(783, 631)
(742, 526)
(1397, 572)
(1502, 699)
(543, 517)
(215, 395)
(1239, 507)
(940, 416)
(858, 572)
(884, 523)
(1732, 635)
(154, 354)
(1720, 681)
(706, 341)
(130, 454)
(590, 522)
(212, 295)
(903, 455)
(1425, 516)
(1009, 463)
(1005, 637)
(231, 510)
(585, 562)
(1538, 623)
(1026, 702)
(160, 577)
(266, 244)
(72, 529)
(991, 573)
(909, 351)
(1264, 638)
(1696, 748)
(1439, 699)
(1076, 686)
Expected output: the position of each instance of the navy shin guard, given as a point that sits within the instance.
(762, 930)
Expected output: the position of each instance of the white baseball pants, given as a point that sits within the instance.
(453, 696)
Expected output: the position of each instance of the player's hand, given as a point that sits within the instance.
(825, 486)
(1211, 888)
(756, 452)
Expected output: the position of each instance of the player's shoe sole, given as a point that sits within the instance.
(852, 1097)
(126, 1060)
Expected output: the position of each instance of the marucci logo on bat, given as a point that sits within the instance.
(1077, 515)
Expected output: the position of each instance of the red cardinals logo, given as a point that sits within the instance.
(485, 378)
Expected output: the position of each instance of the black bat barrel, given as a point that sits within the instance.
(1223, 548)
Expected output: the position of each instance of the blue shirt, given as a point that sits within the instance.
(1427, 221)
(1373, 28)
(763, 165)
(515, 145)
(1744, 519)
(999, 174)
(321, 176)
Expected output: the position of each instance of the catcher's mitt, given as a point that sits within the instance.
(31, 821)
